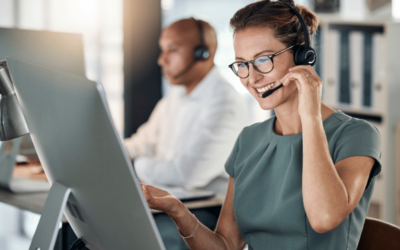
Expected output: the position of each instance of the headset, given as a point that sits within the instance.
(302, 54)
(200, 53)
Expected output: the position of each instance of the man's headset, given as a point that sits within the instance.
(200, 53)
(302, 54)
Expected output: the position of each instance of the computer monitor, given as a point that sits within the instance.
(84, 160)
(27, 149)
(63, 51)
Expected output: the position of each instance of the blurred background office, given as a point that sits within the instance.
(121, 47)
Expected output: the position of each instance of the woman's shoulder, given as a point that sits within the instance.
(349, 136)
(354, 137)
(258, 129)
(345, 124)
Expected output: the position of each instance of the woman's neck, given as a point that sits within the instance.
(288, 120)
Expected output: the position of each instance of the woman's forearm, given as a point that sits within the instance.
(324, 193)
(226, 236)
(186, 223)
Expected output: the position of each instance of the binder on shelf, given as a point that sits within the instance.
(330, 68)
(367, 70)
(356, 66)
(344, 67)
(379, 72)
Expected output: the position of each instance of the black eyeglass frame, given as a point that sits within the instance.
(254, 66)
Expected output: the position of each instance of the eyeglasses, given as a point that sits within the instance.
(263, 64)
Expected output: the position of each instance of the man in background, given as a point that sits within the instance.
(191, 131)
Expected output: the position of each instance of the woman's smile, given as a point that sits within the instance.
(265, 88)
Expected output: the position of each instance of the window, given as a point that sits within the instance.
(100, 23)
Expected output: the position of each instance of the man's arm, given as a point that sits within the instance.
(207, 149)
(144, 141)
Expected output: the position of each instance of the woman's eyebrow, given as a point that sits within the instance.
(262, 52)
(239, 58)
(259, 53)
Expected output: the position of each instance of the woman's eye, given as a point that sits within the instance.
(241, 65)
(263, 60)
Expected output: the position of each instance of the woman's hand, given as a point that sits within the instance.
(309, 86)
(160, 199)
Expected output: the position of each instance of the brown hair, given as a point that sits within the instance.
(277, 16)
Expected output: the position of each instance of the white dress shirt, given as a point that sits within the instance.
(188, 137)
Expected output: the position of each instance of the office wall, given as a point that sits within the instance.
(142, 75)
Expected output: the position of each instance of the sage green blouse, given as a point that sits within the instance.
(268, 201)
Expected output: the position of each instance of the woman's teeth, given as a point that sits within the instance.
(269, 86)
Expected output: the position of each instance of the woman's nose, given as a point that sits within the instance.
(254, 75)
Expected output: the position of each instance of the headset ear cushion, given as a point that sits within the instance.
(310, 56)
(296, 51)
(304, 55)
(201, 53)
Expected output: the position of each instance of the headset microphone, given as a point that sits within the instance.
(185, 70)
(269, 92)
(302, 54)
(200, 53)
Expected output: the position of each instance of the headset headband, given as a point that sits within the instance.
(200, 25)
(303, 24)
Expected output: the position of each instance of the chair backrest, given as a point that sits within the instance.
(378, 234)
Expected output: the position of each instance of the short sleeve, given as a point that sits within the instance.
(230, 163)
(359, 139)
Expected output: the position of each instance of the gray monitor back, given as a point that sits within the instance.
(63, 51)
(79, 147)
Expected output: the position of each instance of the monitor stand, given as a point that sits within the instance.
(8, 153)
(49, 223)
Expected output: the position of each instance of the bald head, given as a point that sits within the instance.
(177, 43)
(189, 31)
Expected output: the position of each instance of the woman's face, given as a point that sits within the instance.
(254, 42)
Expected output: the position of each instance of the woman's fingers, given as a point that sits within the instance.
(151, 200)
(308, 71)
(291, 76)
(158, 198)
(307, 68)
(300, 75)
(303, 82)
(146, 192)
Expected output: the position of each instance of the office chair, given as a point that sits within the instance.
(378, 234)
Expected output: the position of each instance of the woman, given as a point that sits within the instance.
(300, 180)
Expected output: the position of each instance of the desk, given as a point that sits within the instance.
(35, 202)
